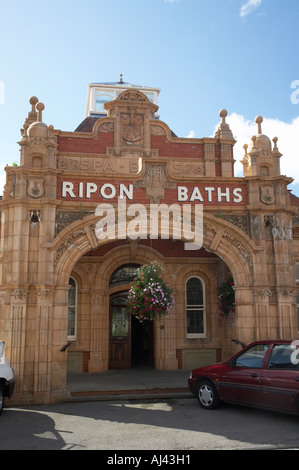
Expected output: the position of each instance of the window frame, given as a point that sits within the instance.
(201, 307)
(75, 306)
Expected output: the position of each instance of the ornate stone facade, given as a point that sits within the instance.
(48, 235)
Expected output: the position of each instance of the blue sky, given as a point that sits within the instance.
(204, 55)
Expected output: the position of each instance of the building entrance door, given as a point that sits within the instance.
(131, 342)
(120, 333)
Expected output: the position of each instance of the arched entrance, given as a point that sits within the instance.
(221, 238)
(131, 343)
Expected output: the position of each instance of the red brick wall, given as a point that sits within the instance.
(86, 145)
(180, 150)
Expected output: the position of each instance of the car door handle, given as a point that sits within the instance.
(296, 379)
(254, 375)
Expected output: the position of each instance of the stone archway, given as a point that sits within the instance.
(220, 237)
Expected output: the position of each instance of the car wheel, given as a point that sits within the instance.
(1, 399)
(207, 395)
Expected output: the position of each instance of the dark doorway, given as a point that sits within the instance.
(131, 342)
(142, 351)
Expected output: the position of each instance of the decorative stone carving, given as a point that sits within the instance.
(44, 294)
(109, 164)
(286, 295)
(36, 187)
(19, 296)
(67, 244)
(264, 294)
(267, 194)
(155, 181)
(106, 127)
(132, 96)
(4, 297)
(157, 130)
(177, 170)
(64, 219)
(240, 221)
(132, 126)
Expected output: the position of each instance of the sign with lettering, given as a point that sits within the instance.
(100, 191)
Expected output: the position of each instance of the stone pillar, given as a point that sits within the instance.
(18, 309)
(43, 359)
(166, 344)
(58, 335)
(265, 324)
(284, 275)
(245, 315)
(287, 314)
(99, 344)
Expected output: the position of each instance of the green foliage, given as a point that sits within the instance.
(150, 298)
(226, 298)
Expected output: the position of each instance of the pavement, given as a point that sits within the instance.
(128, 384)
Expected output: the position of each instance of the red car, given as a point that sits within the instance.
(264, 374)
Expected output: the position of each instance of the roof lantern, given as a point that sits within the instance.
(100, 93)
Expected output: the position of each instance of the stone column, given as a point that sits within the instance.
(287, 318)
(245, 315)
(58, 339)
(18, 309)
(99, 343)
(43, 349)
(285, 276)
(166, 344)
(265, 326)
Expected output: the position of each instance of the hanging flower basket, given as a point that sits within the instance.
(226, 299)
(150, 298)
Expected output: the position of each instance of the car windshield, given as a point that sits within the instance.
(252, 357)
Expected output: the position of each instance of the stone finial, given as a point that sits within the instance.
(259, 121)
(40, 107)
(253, 141)
(245, 147)
(33, 101)
(223, 114)
(32, 115)
(223, 130)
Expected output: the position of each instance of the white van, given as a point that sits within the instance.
(7, 381)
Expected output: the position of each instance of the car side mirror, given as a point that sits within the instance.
(232, 363)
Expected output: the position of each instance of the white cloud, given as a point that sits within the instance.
(190, 135)
(288, 142)
(249, 7)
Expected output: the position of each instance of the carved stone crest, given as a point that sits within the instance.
(155, 181)
(267, 194)
(36, 187)
(131, 126)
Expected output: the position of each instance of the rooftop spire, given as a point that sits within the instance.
(259, 121)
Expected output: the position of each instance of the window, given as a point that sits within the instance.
(281, 357)
(72, 310)
(195, 307)
(123, 275)
(101, 99)
(252, 357)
